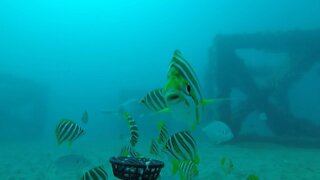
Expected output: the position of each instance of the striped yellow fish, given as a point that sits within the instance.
(134, 135)
(163, 133)
(97, 173)
(68, 131)
(181, 146)
(154, 148)
(155, 101)
(129, 151)
(187, 170)
(183, 86)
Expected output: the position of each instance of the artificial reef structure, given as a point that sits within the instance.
(227, 71)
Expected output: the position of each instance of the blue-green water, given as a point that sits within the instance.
(259, 59)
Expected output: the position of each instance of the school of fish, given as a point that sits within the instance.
(181, 89)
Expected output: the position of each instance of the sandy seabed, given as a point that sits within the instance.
(35, 161)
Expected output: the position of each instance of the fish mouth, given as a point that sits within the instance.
(173, 97)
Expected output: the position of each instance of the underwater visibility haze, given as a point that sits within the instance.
(212, 89)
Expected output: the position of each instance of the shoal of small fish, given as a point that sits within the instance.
(182, 84)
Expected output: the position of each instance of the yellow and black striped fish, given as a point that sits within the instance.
(68, 131)
(134, 135)
(154, 148)
(182, 83)
(97, 173)
(181, 146)
(128, 151)
(154, 100)
(163, 133)
(187, 170)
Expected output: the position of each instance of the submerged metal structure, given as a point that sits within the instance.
(227, 71)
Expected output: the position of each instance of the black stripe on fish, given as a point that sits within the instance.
(188, 170)
(187, 144)
(182, 146)
(71, 132)
(97, 173)
(68, 130)
(154, 148)
(187, 71)
(133, 128)
(154, 100)
(65, 125)
(129, 151)
(151, 103)
(163, 134)
(157, 100)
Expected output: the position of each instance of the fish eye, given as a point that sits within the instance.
(189, 89)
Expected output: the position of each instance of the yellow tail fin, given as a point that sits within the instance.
(175, 166)
(205, 102)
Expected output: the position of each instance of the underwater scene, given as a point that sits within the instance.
(159, 90)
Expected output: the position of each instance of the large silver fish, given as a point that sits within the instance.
(218, 132)
(68, 131)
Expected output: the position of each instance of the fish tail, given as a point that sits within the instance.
(160, 125)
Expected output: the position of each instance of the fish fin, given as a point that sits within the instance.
(198, 121)
(59, 142)
(175, 167)
(70, 143)
(165, 110)
(110, 112)
(141, 101)
(197, 159)
(160, 125)
(194, 126)
(182, 177)
(126, 115)
(80, 174)
(205, 102)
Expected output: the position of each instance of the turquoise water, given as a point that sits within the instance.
(258, 60)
